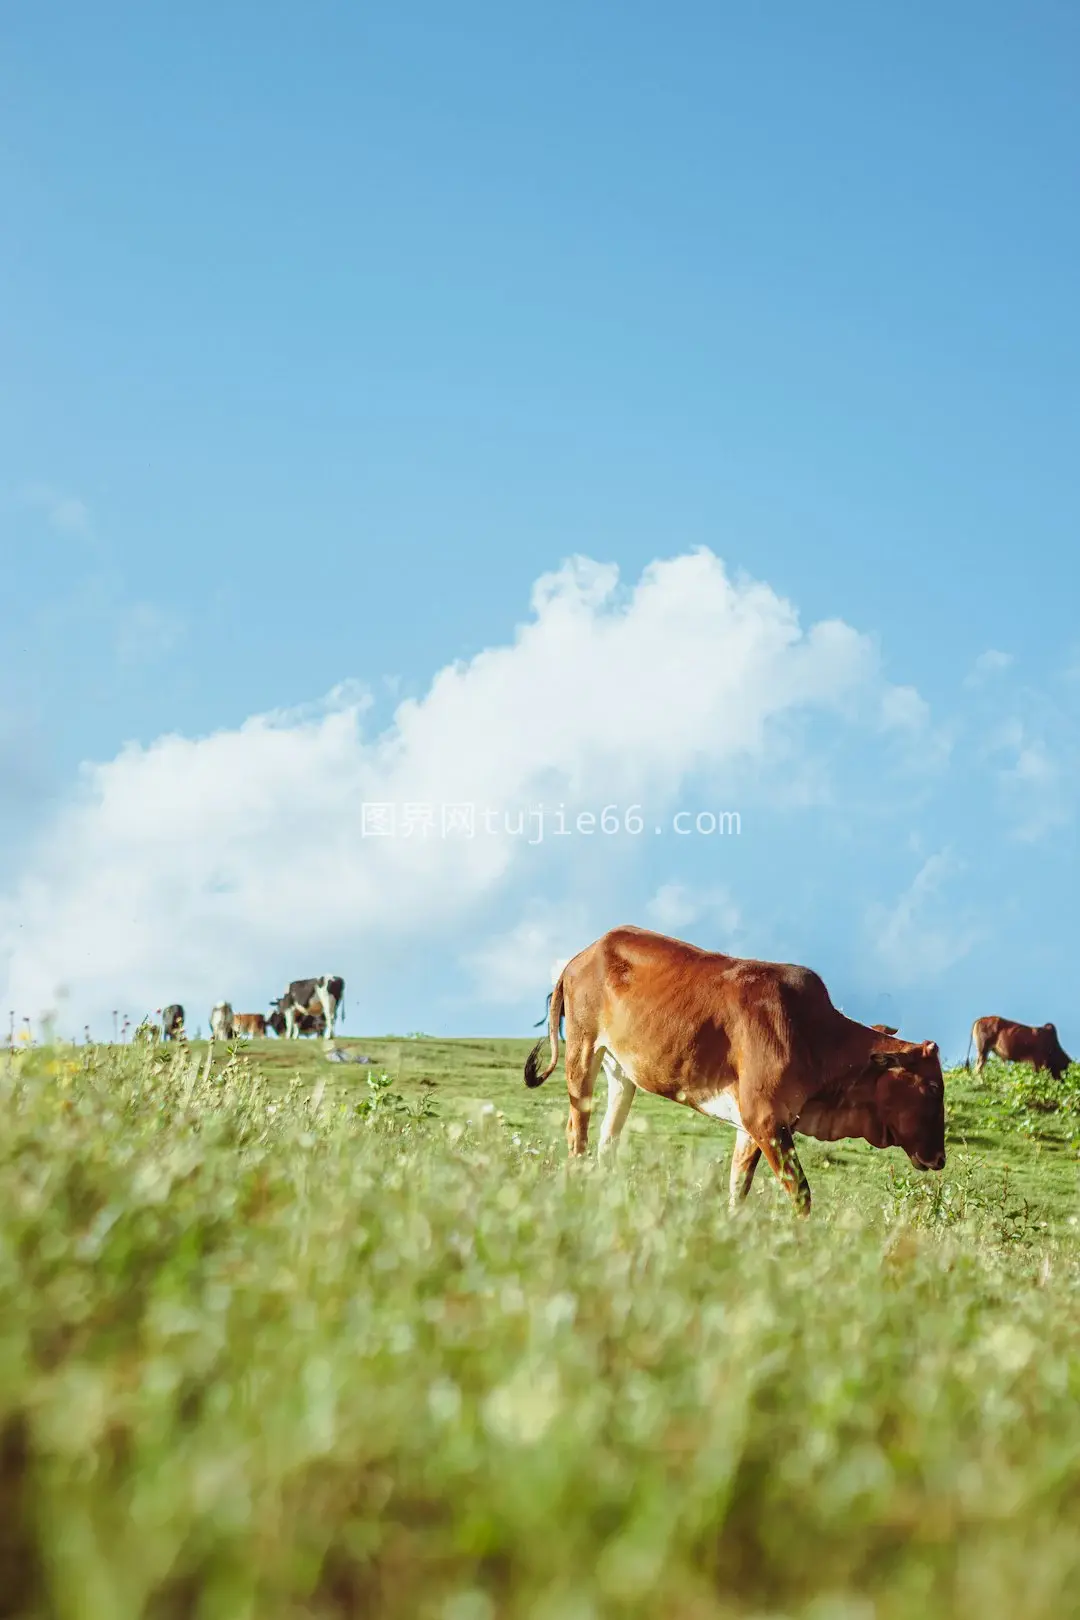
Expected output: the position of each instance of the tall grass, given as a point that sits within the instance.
(293, 1351)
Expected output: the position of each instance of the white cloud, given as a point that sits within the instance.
(987, 665)
(1033, 768)
(223, 865)
(1038, 787)
(67, 514)
(509, 967)
(903, 709)
(676, 906)
(921, 936)
(144, 632)
(923, 749)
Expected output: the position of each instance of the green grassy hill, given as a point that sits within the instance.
(282, 1341)
(1011, 1157)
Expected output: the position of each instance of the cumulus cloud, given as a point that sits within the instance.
(920, 747)
(510, 966)
(145, 632)
(920, 936)
(1036, 788)
(676, 906)
(66, 514)
(1039, 784)
(987, 665)
(904, 709)
(225, 863)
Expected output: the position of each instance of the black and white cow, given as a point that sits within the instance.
(308, 996)
(172, 1022)
(307, 1023)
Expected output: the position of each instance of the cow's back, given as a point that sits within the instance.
(300, 992)
(645, 992)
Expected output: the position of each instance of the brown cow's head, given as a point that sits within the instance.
(1056, 1059)
(910, 1098)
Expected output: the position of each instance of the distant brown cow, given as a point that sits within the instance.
(1018, 1043)
(249, 1024)
(756, 1044)
(884, 1029)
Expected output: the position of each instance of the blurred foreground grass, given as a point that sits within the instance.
(273, 1344)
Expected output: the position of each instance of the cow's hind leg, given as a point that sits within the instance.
(620, 1098)
(582, 1066)
(744, 1161)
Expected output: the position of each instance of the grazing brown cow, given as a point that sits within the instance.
(884, 1029)
(757, 1044)
(249, 1024)
(1018, 1043)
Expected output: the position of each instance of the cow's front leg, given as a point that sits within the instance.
(775, 1141)
(780, 1152)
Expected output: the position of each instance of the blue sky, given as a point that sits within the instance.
(328, 331)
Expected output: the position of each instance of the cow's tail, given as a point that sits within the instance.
(533, 1075)
(971, 1037)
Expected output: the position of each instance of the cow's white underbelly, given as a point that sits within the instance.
(722, 1106)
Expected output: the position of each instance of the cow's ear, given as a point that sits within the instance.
(929, 1049)
(884, 1060)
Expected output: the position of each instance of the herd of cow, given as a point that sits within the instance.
(756, 1044)
(308, 1007)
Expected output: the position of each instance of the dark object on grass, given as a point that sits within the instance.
(172, 1022)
